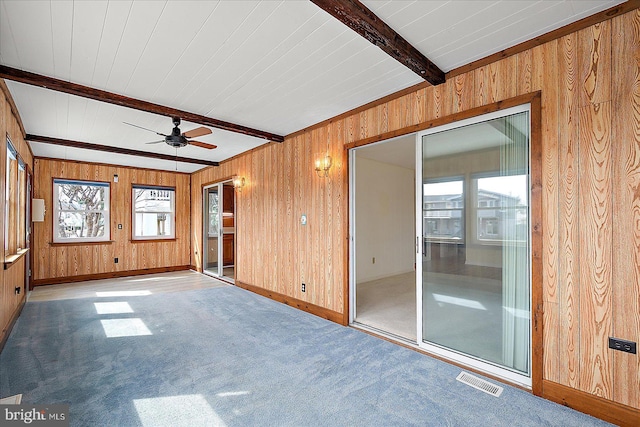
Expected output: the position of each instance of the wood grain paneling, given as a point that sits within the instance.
(569, 226)
(274, 250)
(613, 412)
(595, 63)
(550, 202)
(626, 200)
(14, 276)
(590, 108)
(53, 262)
(595, 246)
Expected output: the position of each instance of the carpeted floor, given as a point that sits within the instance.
(227, 357)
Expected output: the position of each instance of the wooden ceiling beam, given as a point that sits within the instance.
(124, 101)
(360, 19)
(117, 150)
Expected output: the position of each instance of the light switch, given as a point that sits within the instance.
(303, 219)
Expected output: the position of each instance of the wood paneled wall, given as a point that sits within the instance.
(56, 262)
(590, 85)
(14, 275)
(274, 251)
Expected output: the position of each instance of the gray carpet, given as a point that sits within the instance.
(225, 356)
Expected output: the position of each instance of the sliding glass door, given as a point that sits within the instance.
(219, 230)
(474, 285)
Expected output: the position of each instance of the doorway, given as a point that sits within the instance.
(383, 225)
(470, 247)
(219, 211)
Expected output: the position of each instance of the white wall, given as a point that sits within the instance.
(385, 219)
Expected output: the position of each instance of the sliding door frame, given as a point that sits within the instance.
(536, 219)
(220, 241)
(493, 368)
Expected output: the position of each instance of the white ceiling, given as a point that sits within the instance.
(277, 66)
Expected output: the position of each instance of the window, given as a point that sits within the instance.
(81, 211)
(21, 214)
(213, 214)
(15, 202)
(501, 202)
(10, 208)
(444, 210)
(154, 212)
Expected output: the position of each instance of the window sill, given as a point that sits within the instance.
(81, 243)
(171, 239)
(11, 259)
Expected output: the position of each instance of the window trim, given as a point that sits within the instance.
(15, 226)
(171, 236)
(106, 237)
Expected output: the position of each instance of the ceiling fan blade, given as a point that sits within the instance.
(155, 142)
(197, 132)
(157, 133)
(203, 145)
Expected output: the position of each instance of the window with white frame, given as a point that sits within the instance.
(80, 211)
(502, 204)
(153, 212)
(444, 209)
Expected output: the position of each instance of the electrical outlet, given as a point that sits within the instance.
(622, 345)
(17, 290)
(304, 288)
(115, 260)
(119, 226)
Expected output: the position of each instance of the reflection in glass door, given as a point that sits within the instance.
(474, 285)
(219, 230)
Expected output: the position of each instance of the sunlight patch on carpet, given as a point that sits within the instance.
(186, 410)
(11, 400)
(116, 307)
(132, 327)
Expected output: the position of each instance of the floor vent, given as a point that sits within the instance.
(480, 384)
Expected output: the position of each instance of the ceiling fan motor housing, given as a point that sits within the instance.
(176, 140)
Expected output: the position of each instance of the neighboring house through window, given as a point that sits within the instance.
(154, 212)
(444, 210)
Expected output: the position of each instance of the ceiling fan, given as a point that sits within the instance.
(178, 139)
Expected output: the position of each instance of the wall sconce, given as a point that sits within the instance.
(238, 183)
(323, 165)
